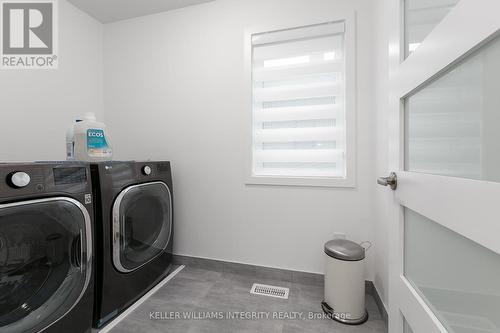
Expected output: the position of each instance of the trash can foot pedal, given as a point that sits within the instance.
(340, 317)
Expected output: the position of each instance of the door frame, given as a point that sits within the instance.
(450, 42)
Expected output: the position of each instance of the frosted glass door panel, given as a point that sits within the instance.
(421, 16)
(453, 123)
(457, 278)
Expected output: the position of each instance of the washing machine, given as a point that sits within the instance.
(46, 275)
(134, 232)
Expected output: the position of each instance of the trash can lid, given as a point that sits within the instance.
(344, 249)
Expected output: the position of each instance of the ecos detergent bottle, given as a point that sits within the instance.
(91, 140)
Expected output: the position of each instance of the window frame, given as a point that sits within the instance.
(350, 57)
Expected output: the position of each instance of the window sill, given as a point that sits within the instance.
(301, 182)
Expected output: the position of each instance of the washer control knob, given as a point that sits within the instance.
(19, 179)
(146, 170)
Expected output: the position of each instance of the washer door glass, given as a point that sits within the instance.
(142, 224)
(45, 267)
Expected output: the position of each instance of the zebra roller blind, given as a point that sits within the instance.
(298, 102)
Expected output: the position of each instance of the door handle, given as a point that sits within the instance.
(76, 255)
(391, 181)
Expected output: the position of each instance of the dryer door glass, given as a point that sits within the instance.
(142, 224)
(45, 251)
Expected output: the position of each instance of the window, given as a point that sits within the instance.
(299, 123)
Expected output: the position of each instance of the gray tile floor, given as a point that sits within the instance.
(195, 291)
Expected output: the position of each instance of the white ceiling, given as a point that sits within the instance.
(108, 11)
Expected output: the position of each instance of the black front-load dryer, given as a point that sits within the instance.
(134, 232)
(46, 279)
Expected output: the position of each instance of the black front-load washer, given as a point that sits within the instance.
(46, 275)
(134, 232)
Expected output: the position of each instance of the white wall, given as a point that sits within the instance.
(37, 106)
(174, 89)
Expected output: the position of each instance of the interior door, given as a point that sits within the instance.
(142, 224)
(45, 261)
(445, 151)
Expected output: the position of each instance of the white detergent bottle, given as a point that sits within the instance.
(91, 140)
(70, 141)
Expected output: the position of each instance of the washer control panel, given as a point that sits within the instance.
(23, 179)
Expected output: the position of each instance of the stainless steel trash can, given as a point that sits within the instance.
(344, 282)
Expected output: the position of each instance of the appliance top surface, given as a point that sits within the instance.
(131, 162)
(43, 163)
(79, 162)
